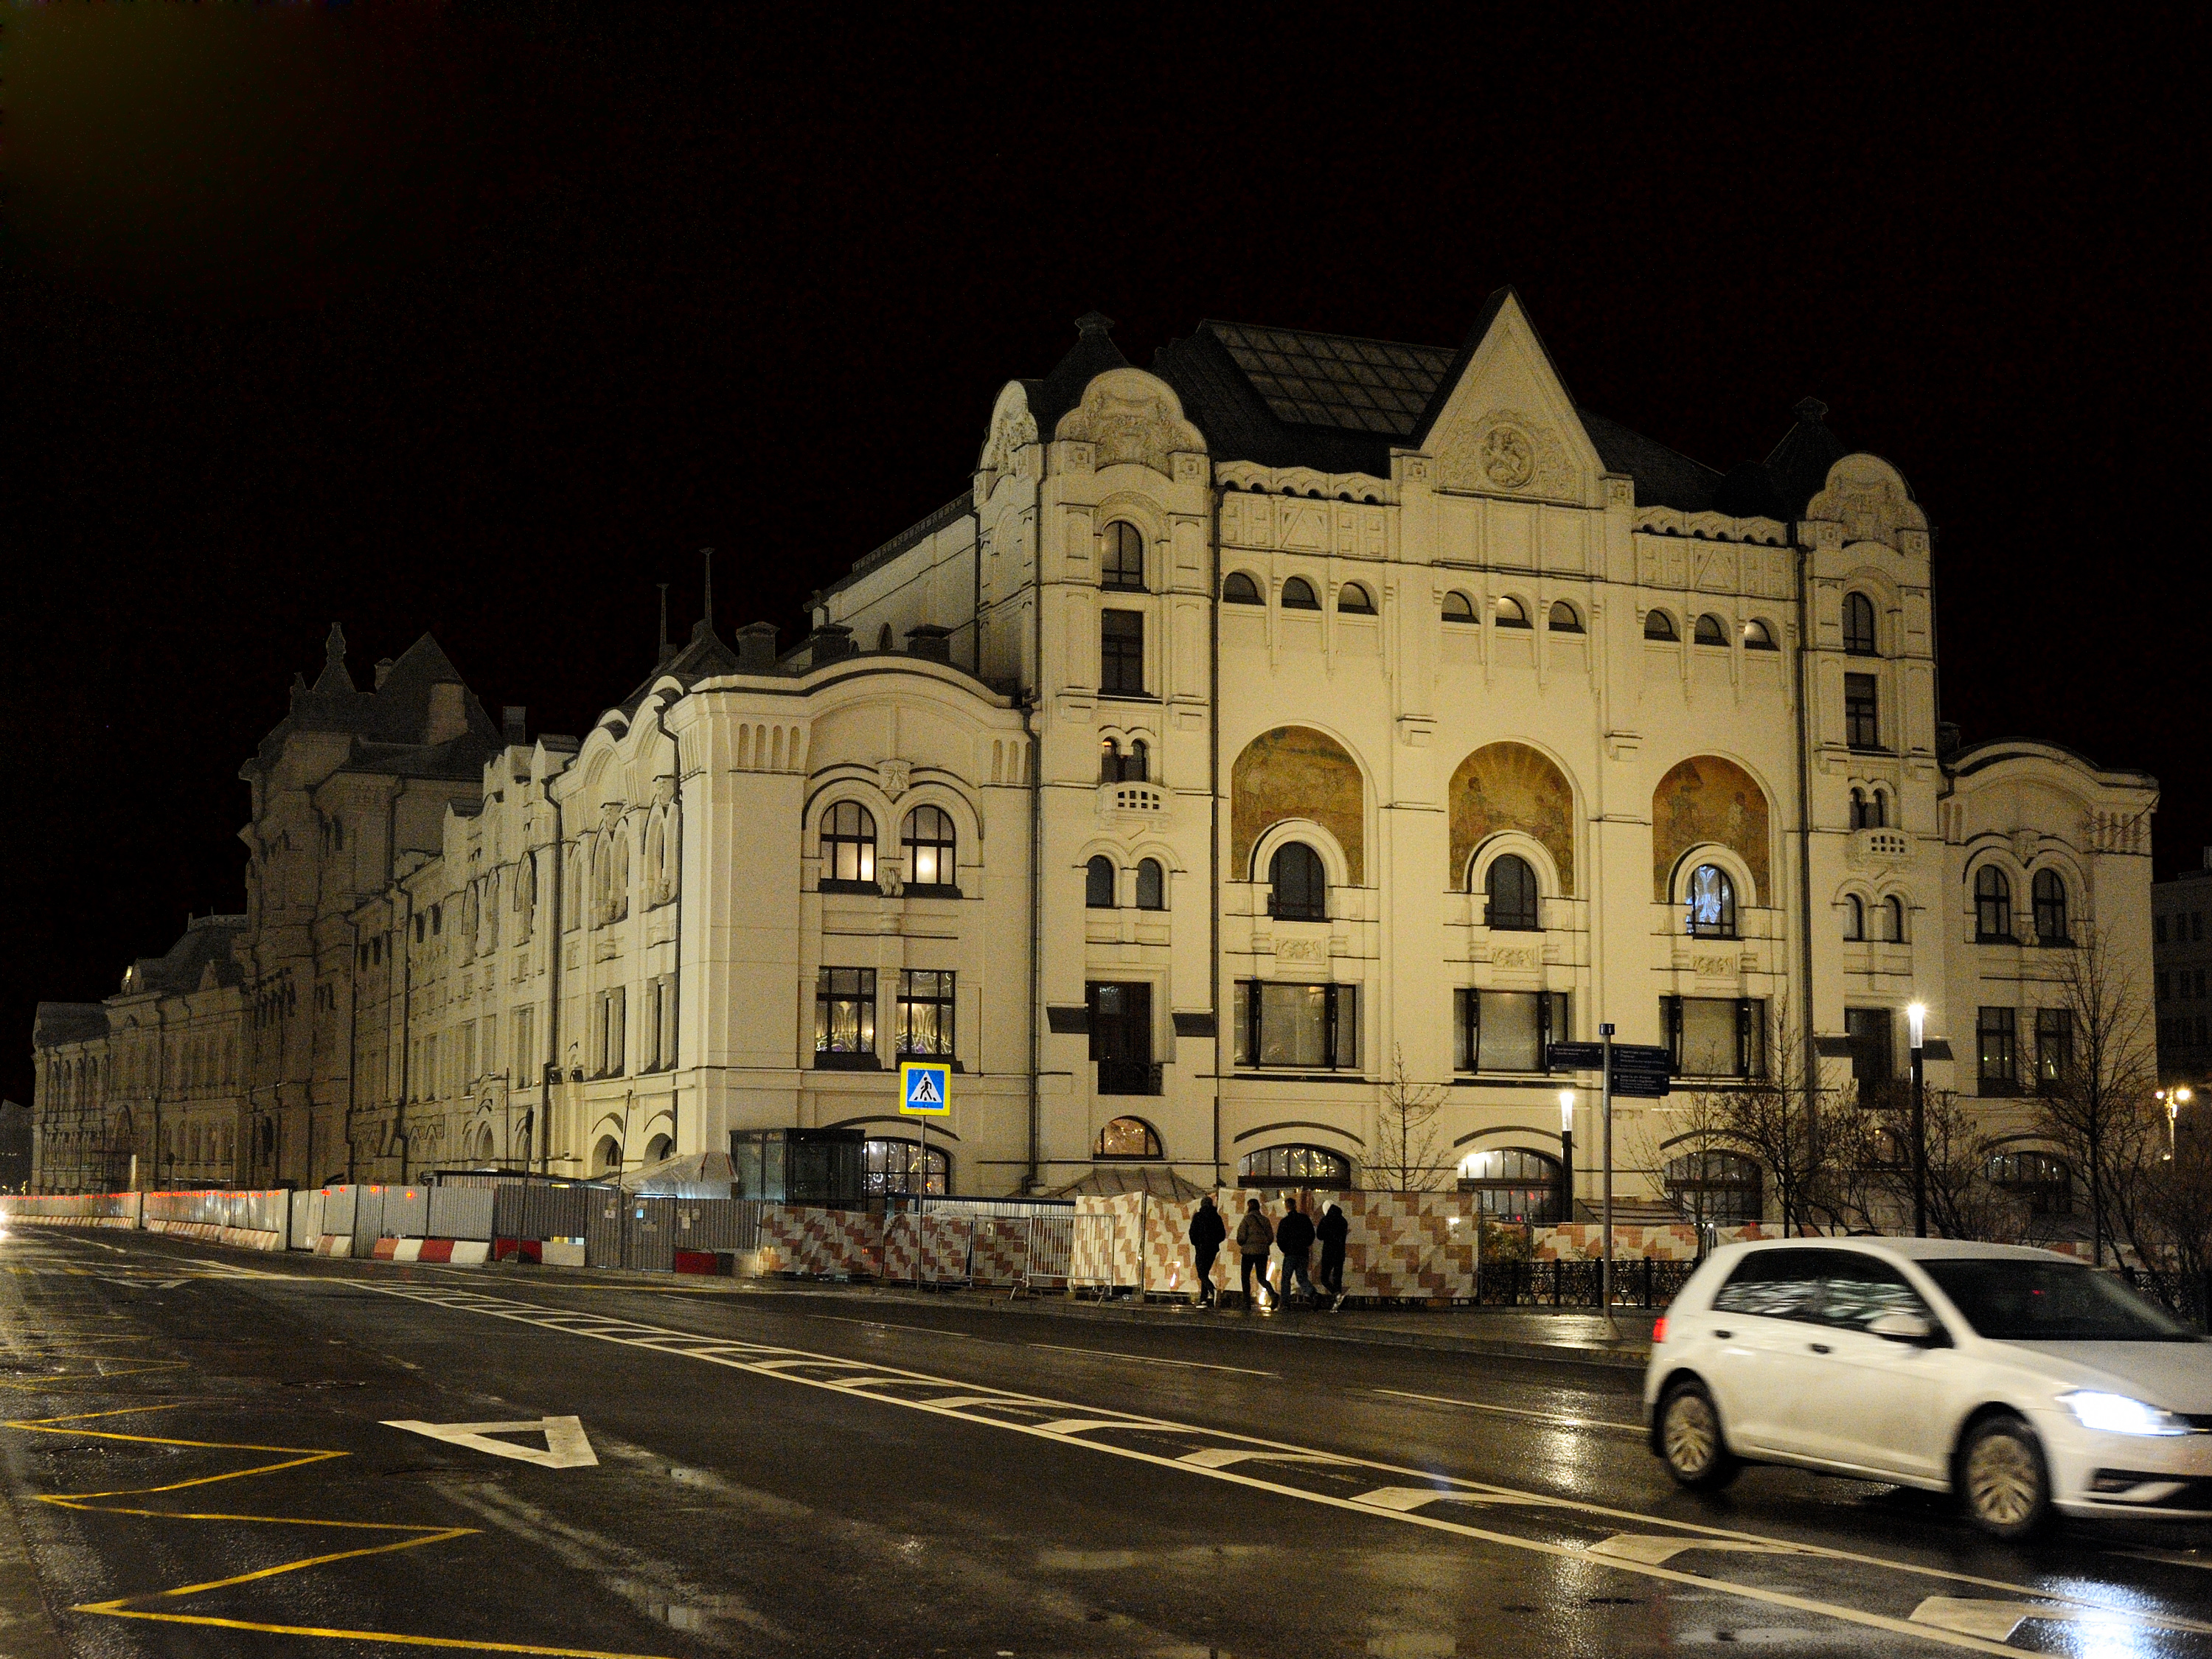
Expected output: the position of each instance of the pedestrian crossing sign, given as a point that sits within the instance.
(924, 1088)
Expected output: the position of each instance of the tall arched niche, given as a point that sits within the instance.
(1296, 772)
(1509, 786)
(1706, 799)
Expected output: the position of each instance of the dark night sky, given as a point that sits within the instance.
(481, 321)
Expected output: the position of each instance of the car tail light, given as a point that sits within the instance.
(1659, 1330)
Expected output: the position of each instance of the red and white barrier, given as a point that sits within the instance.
(459, 1252)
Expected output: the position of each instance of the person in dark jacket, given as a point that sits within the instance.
(1254, 1233)
(1332, 1232)
(1294, 1237)
(1206, 1232)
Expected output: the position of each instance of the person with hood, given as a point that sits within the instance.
(1294, 1237)
(1206, 1232)
(1254, 1233)
(1332, 1231)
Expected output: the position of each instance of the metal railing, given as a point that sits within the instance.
(1638, 1282)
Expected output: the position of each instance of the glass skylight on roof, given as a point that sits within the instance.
(1333, 380)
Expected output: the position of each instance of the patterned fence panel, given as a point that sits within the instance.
(1000, 1253)
(817, 1243)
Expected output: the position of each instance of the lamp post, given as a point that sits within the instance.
(1916, 1016)
(2175, 1099)
(1566, 1155)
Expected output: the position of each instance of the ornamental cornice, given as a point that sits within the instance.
(1710, 527)
(1307, 482)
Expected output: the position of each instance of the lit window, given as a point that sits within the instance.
(1511, 613)
(1509, 1030)
(925, 1012)
(1127, 1137)
(1715, 1036)
(1295, 1166)
(1513, 1185)
(1304, 1027)
(845, 1018)
(849, 844)
(894, 1169)
(930, 853)
(1710, 901)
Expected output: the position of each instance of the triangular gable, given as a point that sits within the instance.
(1504, 424)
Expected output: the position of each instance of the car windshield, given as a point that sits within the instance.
(2011, 1300)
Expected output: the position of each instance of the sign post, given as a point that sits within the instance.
(1605, 1268)
(925, 1092)
(1639, 1070)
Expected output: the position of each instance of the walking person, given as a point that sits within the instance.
(1294, 1237)
(1332, 1231)
(1254, 1233)
(1206, 1232)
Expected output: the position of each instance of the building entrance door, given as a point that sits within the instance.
(1121, 1037)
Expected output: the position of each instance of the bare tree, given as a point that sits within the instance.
(2095, 1099)
(2176, 1206)
(1778, 1121)
(1407, 1141)
(1680, 1132)
(1962, 1202)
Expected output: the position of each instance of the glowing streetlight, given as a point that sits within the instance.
(2175, 1099)
(1915, 1017)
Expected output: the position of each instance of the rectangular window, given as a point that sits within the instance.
(1861, 727)
(1509, 1030)
(1715, 1036)
(664, 1024)
(1998, 1034)
(1874, 1049)
(525, 1048)
(925, 1012)
(2054, 1046)
(845, 1018)
(612, 1033)
(1311, 1028)
(1121, 652)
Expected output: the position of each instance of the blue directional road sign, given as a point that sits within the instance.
(924, 1088)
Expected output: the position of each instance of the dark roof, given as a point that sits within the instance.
(57, 1022)
(1799, 463)
(909, 536)
(703, 656)
(389, 725)
(1093, 353)
(206, 939)
(1340, 404)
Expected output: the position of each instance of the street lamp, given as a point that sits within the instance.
(1916, 1015)
(1566, 1154)
(2175, 1099)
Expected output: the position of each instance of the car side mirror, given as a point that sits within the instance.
(1898, 1326)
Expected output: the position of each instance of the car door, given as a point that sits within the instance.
(1879, 1397)
(1758, 1326)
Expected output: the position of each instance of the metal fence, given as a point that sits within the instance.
(542, 1210)
(1638, 1282)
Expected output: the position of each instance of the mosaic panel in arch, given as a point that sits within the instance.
(1296, 772)
(1509, 786)
(1706, 799)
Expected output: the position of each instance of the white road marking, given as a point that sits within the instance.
(1554, 1418)
(566, 1444)
(1655, 1549)
(1150, 1360)
(1220, 1457)
(1997, 1620)
(1048, 1424)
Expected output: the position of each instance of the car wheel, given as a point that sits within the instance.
(1690, 1439)
(2004, 1479)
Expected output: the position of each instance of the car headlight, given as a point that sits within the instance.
(2115, 1413)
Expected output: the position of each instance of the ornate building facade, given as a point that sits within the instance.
(1298, 713)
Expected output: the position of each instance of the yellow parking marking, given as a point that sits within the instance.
(137, 1605)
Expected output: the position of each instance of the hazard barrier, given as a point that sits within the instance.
(72, 1210)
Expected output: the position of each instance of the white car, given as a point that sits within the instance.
(2016, 1378)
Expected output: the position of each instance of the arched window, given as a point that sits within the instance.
(894, 1169)
(1711, 630)
(1854, 917)
(849, 843)
(1237, 588)
(1353, 600)
(1300, 883)
(1858, 809)
(1122, 561)
(1564, 619)
(1719, 1188)
(1757, 636)
(1513, 1184)
(1711, 903)
(2050, 891)
(1511, 613)
(931, 851)
(1151, 885)
(606, 1156)
(1127, 1137)
(1512, 887)
(1098, 883)
(1298, 595)
(2039, 1181)
(1992, 904)
(1458, 607)
(1858, 625)
(1658, 625)
(1136, 764)
(1894, 919)
(884, 637)
(1295, 1166)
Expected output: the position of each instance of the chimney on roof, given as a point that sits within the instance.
(448, 717)
(757, 648)
(829, 642)
(383, 671)
(930, 641)
(513, 723)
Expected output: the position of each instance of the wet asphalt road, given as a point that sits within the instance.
(197, 1446)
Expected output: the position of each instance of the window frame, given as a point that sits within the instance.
(1340, 1033)
(1728, 922)
(1311, 601)
(1862, 712)
(1854, 920)
(1750, 1035)
(1117, 544)
(944, 850)
(1151, 1144)
(1553, 1023)
(1544, 1185)
(861, 838)
(2049, 910)
(1100, 873)
(1530, 920)
(1337, 1166)
(1861, 626)
(1120, 653)
(938, 993)
(1993, 919)
(1997, 1031)
(2054, 1048)
(858, 995)
(1159, 877)
(934, 1162)
(1314, 905)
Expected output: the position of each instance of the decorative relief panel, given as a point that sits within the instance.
(1505, 449)
(1869, 498)
(1127, 415)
